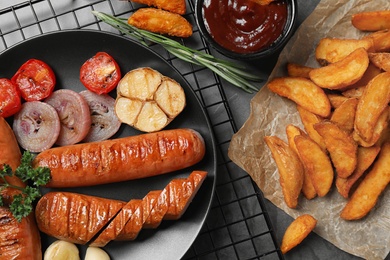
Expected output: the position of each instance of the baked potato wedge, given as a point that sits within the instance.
(344, 115)
(317, 164)
(341, 146)
(303, 92)
(379, 132)
(380, 60)
(308, 189)
(371, 21)
(370, 73)
(297, 231)
(290, 169)
(367, 193)
(147, 100)
(381, 41)
(331, 50)
(365, 158)
(371, 105)
(298, 70)
(343, 73)
(309, 120)
(353, 92)
(174, 6)
(161, 21)
(336, 99)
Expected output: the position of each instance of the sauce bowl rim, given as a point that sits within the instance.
(262, 53)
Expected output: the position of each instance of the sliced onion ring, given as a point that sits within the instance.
(36, 126)
(74, 115)
(104, 122)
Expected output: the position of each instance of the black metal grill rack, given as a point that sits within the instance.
(238, 225)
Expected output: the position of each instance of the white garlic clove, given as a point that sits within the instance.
(62, 250)
(96, 253)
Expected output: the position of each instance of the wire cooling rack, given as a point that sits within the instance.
(238, 226)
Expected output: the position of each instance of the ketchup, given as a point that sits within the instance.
(244, 26)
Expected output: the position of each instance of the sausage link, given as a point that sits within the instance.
(18, 240)
(9, 151)
(85, 219)
(122, 159)
(74, 217)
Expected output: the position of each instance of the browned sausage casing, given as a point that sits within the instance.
(85, 219)
(18, 240)
(9, 151)
(122, 159)
(74, 217)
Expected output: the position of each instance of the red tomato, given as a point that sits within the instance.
(100, 74)
(35, 80)
(10, 101)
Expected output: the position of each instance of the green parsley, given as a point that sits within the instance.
(22, 204)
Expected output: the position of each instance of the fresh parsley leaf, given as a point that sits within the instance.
(22, 204)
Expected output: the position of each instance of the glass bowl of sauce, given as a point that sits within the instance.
(246, 29)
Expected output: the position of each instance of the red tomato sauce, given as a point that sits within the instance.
(244, 26)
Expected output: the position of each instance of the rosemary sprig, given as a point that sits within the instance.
(230, 71)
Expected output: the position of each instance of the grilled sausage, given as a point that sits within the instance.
(85, 219)
(122, 159)
(18, 240)
(134, 225)
(74, 217)
(9, 151)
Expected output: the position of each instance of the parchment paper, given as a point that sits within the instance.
(368, 238)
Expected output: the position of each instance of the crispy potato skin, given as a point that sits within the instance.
(309, 120)
(308, 189)
(331, 50)
(344, 115)
(367, 193)
(290, 169)
(161, 21)
(371, 21)
(371, 105)
(298, 70)
(341, 147)
(317, 164)
(174, 6)
(354, 89)
(380, 39)
(365, 157)
(303, 92)
(379, 131)
(343, 73)
(297, 231)
(381, 60)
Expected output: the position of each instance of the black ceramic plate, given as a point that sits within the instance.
(65, 52)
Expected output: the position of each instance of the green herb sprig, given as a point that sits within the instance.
(232, 72)
(22, 204)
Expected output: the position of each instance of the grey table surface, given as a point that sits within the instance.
(314, 247)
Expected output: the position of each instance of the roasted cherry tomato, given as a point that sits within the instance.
(10, 100)
(35, 80)
(100, 73)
